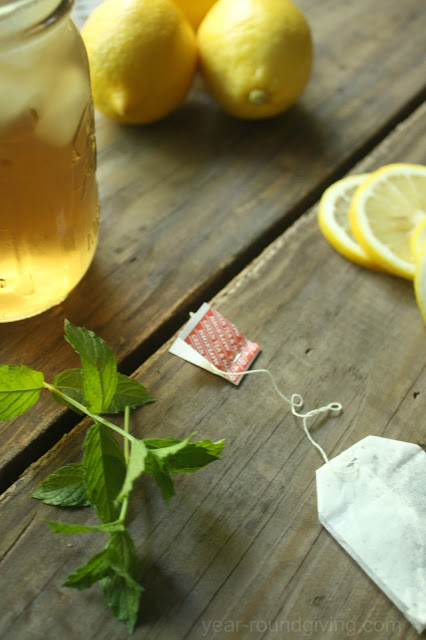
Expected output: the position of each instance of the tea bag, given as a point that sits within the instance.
(212, 342)
(372, 499)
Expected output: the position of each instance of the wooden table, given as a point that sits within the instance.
(204, 207)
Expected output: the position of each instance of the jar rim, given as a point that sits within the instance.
(16, 8)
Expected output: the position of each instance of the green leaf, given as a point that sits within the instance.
(195, 456)
(95, 569)
(135, 466)
(69, 528)
(129, 393)
(104, 471)
(122, 590)
(70, 382)
(122, 595)
(162, 474)
(192, 457)
(65, 487)
(20, 388)
(159, 459)
(169, 455)
(99, 366)
(122, 555)
(117, 559)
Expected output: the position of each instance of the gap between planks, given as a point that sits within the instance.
(210, 288)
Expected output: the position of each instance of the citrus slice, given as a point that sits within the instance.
(420, 281)
(385, 210)
(333, 219)
(418, 239)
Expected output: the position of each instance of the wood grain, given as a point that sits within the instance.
(240, 553)
(188, 201)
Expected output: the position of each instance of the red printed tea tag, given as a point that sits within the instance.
(212, 342)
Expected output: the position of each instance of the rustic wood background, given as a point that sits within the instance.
(203, 206)
(189, 201)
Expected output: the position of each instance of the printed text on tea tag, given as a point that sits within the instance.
(210, 339)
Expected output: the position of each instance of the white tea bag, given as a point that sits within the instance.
(372, 499)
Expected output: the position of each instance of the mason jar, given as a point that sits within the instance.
(48, 193)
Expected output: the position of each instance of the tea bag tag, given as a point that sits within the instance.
(372, 500)
(212, 342)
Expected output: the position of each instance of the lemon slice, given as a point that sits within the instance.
(418, 239)
(385, 210)
(420, 281)
(333, 219)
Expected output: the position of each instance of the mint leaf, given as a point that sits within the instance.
(20, 388)
(135, 466)
(129, 393)
(162, 474)
(104, 471)
(195, 456)
(159, 462)
(69, 382)
(192, 457)
(65, 487)
(94, 570)
(69, 528)
(122, 595)
(122, 554)
(117, 569)
(99, 366)
(122, 590)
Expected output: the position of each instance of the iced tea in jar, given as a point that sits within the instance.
(48, 194)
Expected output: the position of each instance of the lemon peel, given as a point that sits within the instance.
(142, 56)
(194, 10)
(255, 55)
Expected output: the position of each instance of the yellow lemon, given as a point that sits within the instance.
(255, 55)
(333, 219)
(194, 10)
(142, 56)
(385, 210)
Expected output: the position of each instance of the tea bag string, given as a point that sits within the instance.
(296, 403)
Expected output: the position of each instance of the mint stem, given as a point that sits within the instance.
(125, 502)
(127, 430)
(85, 410)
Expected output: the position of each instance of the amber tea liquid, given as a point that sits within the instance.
(48, 193)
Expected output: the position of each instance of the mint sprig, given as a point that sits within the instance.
(105, 477)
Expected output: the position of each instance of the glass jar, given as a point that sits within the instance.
(48, 193)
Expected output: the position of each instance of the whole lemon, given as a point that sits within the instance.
(255, 55)
(142, 56)
(194, 10)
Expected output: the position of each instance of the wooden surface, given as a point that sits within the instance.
(187, 202)
(241, 544)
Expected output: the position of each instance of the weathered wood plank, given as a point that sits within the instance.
(241, 546)
(186, 202)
